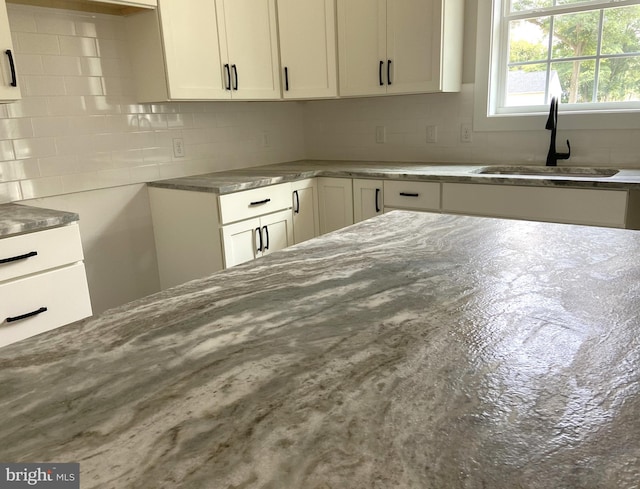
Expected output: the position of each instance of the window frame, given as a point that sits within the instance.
(485, 116)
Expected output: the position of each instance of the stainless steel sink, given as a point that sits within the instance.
(548, 171)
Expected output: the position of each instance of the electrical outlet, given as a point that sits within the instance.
(381, 134)
(466, 133)
(178, 147)
(432, 134)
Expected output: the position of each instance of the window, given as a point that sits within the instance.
(584, 52)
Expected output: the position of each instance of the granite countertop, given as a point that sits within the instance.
(235, 180)
(17, 219)
(411, 350)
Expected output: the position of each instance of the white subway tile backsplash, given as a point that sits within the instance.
(34, 147)
(10, 192)
(19, 170)
(58, 165)
(39, 86)
(41, 187)
(6, 151)
(15, 128)
(59, 65)
(78, 46)
(55, 24)
(34, 43)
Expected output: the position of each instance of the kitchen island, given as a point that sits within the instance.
(411, 350)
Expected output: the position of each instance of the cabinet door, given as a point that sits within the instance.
(277, 231)
(192, 51)
(335, 203)
(249, 45)
(241, 242)
(413, 45)
(308, 48)
(9, 88)
(186, 248)
(305, 210)
(362, 46)
(367, 199)
(596, 207)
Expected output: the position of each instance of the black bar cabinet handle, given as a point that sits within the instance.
(406, 194)
(235, 77)
(380, 73)
(227, 73)
(19, 257)
(12, 66)
(27, 315)
(259, 234)
(377, 198)
(266, 233)
(260, 202)
(388, 72)
(297, 207)
(286, 79)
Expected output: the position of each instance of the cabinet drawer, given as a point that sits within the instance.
(255, 202)
(412, 195)
(30, 253)
(63, 292)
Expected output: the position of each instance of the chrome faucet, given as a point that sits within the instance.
(552, 125)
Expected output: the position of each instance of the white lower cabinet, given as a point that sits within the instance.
(306, 225)
(335, 202)
(187, 234)
(246, 240)
(597, 207)
(43, 284)
(368, 198)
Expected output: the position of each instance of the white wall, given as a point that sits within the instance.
(117, 239)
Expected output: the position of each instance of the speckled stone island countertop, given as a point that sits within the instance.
(17, 219)
(235, 180)
(411, 350)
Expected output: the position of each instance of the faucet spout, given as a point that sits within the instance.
(552, 125)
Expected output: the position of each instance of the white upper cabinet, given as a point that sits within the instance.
(308, 48)
(191, 49)
(205, 50)
(399, 46)
(248, 35)
(9, 88)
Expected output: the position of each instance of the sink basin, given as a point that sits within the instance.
(551, 171)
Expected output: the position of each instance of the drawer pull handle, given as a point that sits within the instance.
(260, 202)
(227, 72)
(12, 67)
(258, 235)
(377, 200)
(406, 194)
(19, 257)
(297, 207)
(266, 233)
(27, 315)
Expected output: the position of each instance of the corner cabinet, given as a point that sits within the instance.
(368, 198)
(9, 88)
(307, 32)
(212, 50)
(304, 196)
(335, 203)
(399, 46)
